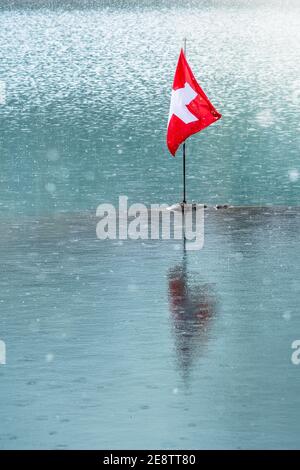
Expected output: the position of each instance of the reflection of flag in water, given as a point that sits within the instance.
(192, 306)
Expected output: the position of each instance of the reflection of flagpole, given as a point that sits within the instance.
(184, 257)
(183, 147)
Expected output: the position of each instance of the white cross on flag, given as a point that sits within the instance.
(190, 109)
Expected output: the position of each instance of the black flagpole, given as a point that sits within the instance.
(184, 196)
(183, 147)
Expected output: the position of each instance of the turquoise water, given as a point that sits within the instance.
(135, 344)
(87, 99)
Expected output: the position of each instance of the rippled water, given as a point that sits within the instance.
(137, 344)
(88, 96)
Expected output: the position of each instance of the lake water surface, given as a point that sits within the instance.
(137, 344)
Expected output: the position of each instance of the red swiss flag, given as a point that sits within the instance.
(190, 109)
